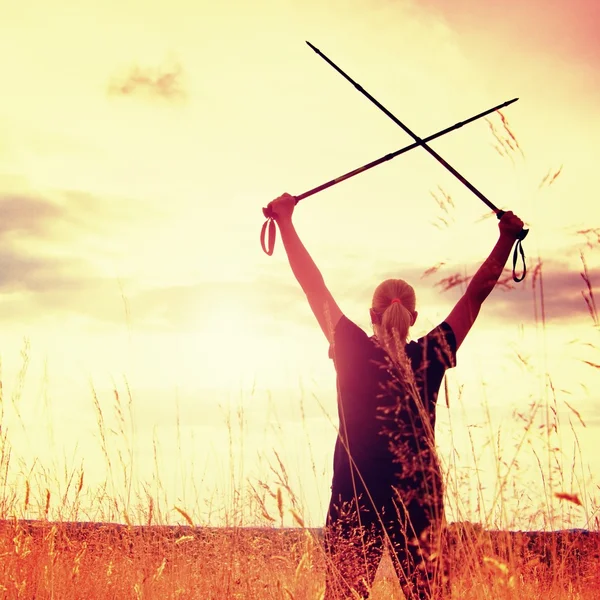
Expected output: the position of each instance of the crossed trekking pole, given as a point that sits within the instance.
(268, 231)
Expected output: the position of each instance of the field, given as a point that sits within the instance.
(77, 560)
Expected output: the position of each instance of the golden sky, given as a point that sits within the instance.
(139, 142)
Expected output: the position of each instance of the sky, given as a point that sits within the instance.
(150, 344)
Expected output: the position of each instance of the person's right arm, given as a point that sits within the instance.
(324, 307)
(465, 312)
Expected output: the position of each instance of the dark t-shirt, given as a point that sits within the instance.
(387, 410)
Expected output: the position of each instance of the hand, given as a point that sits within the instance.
(282, 207)
(510, 225)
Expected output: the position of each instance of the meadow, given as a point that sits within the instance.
(102, 560)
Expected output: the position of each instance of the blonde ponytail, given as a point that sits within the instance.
(393, 309)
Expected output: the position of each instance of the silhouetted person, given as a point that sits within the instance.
(387, 485)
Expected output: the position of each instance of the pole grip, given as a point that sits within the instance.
(518, 250)
(268, 233)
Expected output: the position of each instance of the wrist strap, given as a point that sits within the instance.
(519, 250)
(268, 241)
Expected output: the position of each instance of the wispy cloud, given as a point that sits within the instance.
(568, 28)
(560, 284)
(53, 254)
(26, 215)
(29, 216)
(165, 82)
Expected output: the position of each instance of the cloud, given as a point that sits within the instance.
(558, 28)
(65, 252)
(164, 82)
(53, 254)
(42, 290)
(560, 284)
(28, 216)
(36, 273)
(55, 249)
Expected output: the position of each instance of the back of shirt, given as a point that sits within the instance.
(387, 408)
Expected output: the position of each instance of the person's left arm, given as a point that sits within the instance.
(322, 303)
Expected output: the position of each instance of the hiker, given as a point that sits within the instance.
(387, 484)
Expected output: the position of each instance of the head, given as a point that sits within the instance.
(393, 311)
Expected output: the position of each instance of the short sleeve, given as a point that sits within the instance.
(431, 356)
(441, 346)
(347, 338)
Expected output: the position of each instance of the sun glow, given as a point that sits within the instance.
(232, 347)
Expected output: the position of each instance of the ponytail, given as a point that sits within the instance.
(393, 305)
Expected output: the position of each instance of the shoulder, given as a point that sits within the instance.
(444, 334)
(347, 334)
(346, 327)
(439, 345)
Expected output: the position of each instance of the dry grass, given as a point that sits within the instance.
(76, 560)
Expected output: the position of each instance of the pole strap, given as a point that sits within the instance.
(519, 248)
(517, 251)
(268, 233)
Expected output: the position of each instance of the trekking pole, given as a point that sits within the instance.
(522, 234)
(269, 245)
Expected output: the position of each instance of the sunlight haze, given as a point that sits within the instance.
(140, 141)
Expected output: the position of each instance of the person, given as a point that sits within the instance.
(387, 487)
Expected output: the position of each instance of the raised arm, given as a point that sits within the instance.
(308, 275)
(465, 312)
